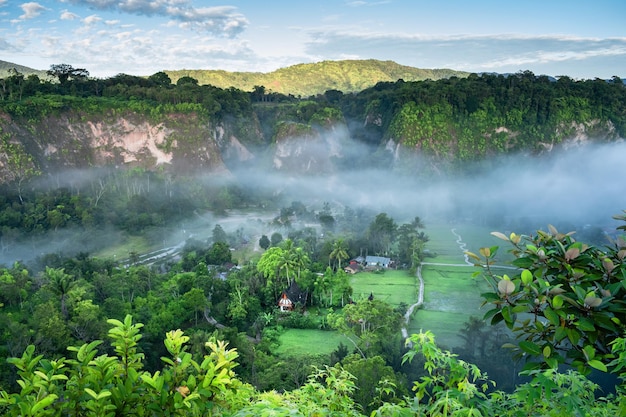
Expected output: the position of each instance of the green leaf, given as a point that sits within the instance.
(530, 347)
(497, 318)
(560, 333)
(573, 335)
(551, 316)
(490, 296)
(585, 325)
(552, 362)
(527, 277)
(43, 403)
(594, 363)
(523, 262)
(557, 302)
(506, 314)
(589, 352)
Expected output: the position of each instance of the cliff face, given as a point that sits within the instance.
(180, 143)
(186, 144)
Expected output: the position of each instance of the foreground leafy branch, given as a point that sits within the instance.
(566, 301)
(95, 384)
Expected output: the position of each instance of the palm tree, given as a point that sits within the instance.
(339, 252)
(300, 260)
(60, 284)
(286, 261)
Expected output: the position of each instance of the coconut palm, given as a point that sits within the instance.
(338, 253)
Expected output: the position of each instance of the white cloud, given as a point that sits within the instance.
(67, 15)
(31, 10)
(218, 20)
(90, 20)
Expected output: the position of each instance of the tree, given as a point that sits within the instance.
(19, 166)
(219, 253)
(370, 375)
(338, 253)
(411, 242)
(286, 260)
(381, 233)
(276, 238)
(160, 79)
(269, 266)
(60, 284)
(186, 81)
(219, 235)
(300, 260)
(564, 301)
(264, 242)
(368, 324)
(66, 72)
(326, 219)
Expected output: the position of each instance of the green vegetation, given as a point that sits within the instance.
(311, 79)
(564, 303)
(302, 342)
(451, 124)
(94, 384)
(391, 286)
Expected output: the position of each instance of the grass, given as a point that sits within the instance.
(393, 287)
(452, 293)
(296, 342)
(451, 296)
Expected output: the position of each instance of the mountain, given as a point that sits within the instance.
(5, 67)
(420, 128)
(306, 80)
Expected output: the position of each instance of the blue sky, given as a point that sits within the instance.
(581, 39)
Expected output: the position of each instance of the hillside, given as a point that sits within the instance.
(306, 80)
(5, 67)
(419, 128)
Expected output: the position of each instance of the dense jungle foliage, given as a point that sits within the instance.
(221, 325)
(450, 122)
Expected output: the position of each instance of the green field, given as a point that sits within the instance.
(451, 293)
(393, 287)
(298, 342)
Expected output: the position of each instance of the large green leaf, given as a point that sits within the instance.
(530, 347)
(594, 363)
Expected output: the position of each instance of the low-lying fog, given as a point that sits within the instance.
(572, 190)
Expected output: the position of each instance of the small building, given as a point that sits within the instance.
(292, 297)
(352, 268)
(380, 261)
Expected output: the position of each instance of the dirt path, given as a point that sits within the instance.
(420, 295)
(418, 304)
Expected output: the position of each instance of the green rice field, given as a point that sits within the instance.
(393, 287)
(451, 293)
(296, 342)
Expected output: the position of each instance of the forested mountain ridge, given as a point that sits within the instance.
(306, 80)
(415, 127)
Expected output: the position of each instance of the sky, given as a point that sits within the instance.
(580, 39)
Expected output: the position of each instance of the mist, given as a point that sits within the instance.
(570, 188)
(578, 186)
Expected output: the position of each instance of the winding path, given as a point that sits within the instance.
(420, 295)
